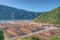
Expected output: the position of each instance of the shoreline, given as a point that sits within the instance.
(8, 21)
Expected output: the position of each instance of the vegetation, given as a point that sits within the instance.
(7, 12)
(55, 38)
(1, 35)
(50, 17)
(36, 38)
(31, 38)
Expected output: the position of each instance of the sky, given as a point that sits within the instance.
(32, 5)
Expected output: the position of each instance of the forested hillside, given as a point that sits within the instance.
(7, 12)
(52, 16)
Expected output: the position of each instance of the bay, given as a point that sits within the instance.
(9, 20)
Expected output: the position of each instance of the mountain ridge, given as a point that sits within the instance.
(7, 12)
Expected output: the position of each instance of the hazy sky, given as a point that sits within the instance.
(32, 5)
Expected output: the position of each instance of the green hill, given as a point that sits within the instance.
(52, 16)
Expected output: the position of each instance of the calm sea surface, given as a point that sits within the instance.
(9, 20)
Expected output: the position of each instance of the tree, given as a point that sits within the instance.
(1, 35)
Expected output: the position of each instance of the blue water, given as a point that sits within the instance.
(9, 20)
